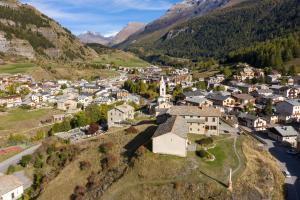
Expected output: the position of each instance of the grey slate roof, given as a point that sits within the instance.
(194, 111)
(285, 131)
(175, 124)
(125, 108)
(196, 99)
(8, 183)
(294, 102)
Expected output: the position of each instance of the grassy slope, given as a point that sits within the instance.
(120, 58)
(16, 68)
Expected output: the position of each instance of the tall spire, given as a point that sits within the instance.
(162, 87)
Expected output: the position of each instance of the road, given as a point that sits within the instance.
(287, 162)
(15, 159)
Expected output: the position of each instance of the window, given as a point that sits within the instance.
(213, 128)
(12, 195)
(206, 119)
(191, 129)
(214, 119)
(206, 128)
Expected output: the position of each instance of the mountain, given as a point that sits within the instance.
(90, 37)
(131, 29)
(223, 30)
(178, 13)
(26, 32)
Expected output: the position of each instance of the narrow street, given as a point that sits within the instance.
(287, 162)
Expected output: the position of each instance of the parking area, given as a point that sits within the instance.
(288, 162)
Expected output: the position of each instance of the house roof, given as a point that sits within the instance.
(243, 96)
(175, 124)
(218, 96)
(125, 108)
(196, 99)
(294, 102)
(284, 131)
(194, 93)
(194, 111)
(8, 183)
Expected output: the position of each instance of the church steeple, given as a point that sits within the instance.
(162, 88)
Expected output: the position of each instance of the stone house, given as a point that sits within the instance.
(200, 120)
(220, 99)
(119, 114)
(171, 137)
(243, 99)
(11, 101)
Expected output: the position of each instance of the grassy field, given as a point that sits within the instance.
(119, 58)
(22, 121)
(16, 68)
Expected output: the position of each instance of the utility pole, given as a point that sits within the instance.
(230, 181)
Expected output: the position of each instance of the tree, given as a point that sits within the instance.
(219, 88)
(227, 72)
(94, 127)
(25, 160)
(63, 86)
(200, 85)
(80, 119)
(293, 70)
(94, 113)
(267, 110)
(177, 92)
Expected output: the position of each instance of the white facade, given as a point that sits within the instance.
(13, 195)
(170, 144)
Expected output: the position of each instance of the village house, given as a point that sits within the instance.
(66, 104)
(11, 101)
(253, 122)
(285, 134)
(198, 101)
(120, 114)
(171, 137)
(243, 99)
(85, 99)
(200, 120)
(285, 91)
(221, 99)
(288, 110)
(244, 74)
(10, 188)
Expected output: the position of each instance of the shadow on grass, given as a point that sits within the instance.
(143, 138)
(214, 179)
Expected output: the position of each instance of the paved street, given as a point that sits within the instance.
(15, 159)
(287, 162)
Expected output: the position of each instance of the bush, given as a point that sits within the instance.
(109, 161)
(106, 147)
(205, 141)
(39, 136)
(25, 160)
(83, 165)
(78, 193)
(91, 180)
(140, 151)
(17, 139)
(132, 130)
(11, 169)
(94, 127)
(202, 153)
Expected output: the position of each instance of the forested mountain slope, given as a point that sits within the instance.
(225, 30)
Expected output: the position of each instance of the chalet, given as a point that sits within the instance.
(285, 91)
(120, 114)
(10, 188)
(244, 74)
(254, 122)
(221, 99)
(243, 99)
(284, 134)
(171, 137)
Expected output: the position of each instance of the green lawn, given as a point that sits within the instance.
(21, 120)
(121, 59)
(16, 68)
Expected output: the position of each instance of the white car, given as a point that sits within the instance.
(287, 174)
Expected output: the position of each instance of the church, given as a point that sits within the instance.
(164, 99)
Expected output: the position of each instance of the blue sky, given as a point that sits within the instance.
(104, 16)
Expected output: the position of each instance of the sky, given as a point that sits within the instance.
(106, 17)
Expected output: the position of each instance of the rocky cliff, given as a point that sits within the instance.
(26, 32)
(90, 37)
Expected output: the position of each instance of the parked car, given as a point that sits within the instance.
(292, 152)
(287, 174)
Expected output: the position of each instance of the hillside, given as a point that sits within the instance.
(26, 32)
(223, 30)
